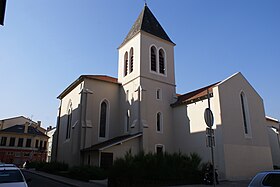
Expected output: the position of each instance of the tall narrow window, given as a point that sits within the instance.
(127, 95)
(159, 122)
(69, 121)
(153, 59)
(37, 144)
(158, 94)
(131, 60)
(12, 141)
(20, 142)
(245, 113)
(3, 141)
(28, 142)
(125, 64)
(103, 116)
(161, 62)
(127, 121)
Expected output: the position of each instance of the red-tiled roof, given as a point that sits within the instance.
(194, 96)
(102, 78)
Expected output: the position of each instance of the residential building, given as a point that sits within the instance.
(22, 142)
(50, 131)
(100, 118)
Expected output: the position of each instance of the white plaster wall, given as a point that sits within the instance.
(190, 127)
(147, 40)
(237, 146)
(135, 44)
(120, 150)
(101, 91)
(68, 149)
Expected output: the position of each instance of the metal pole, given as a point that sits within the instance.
(211, 145)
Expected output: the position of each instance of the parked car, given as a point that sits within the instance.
(266, 178)
(11, 176)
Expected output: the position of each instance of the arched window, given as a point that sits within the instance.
(69, 121)
(125, 63)
(103, 120)
(161, 62)
(159, 122)
(131, 60)
(153, 59)
(245, 114)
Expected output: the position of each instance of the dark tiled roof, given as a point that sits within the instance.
(19, 129)
(104, 78)
(112, 142)
(194, 96)
(147, 22)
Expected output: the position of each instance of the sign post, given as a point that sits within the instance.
(209, 120)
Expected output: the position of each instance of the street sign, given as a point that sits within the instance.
(210, 141)
(208, 117)
(209, 131)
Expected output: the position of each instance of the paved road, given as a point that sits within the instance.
(40, 181)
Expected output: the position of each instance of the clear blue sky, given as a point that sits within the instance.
(46, 44)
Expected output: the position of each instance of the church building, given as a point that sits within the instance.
(100, 118)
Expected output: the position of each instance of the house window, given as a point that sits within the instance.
(159, 149)
(28, 142)
(69, 121)
(45, 144)
(153, 59)
(3, 141)
(159, 122)
(131, 60)
(158, 94)
(41, 144)
(125, 64)
(12, 141)
(103, 119)
(20, 142)
(37, 144)
(245, 114)
(161, 62)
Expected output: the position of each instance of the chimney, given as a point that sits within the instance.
(26, 127)
(39, 123)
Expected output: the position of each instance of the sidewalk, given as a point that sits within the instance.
(68, 181)
(243, 183)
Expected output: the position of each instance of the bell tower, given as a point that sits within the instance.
(146, 72)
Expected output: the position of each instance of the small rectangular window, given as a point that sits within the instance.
(45, 144)
(3, 141)
(158, 94)
(28, 142)
(20, 142)
(159, 149)
(37, 144)
(12, 141)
